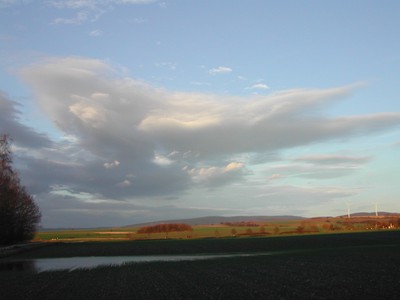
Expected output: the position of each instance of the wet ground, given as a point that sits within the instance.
(89, 262)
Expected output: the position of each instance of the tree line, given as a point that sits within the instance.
(241, 224)
(159, 228)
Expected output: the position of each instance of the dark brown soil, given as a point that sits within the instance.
(368, 269)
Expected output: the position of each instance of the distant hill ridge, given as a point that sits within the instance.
(219, 219)
(209, 220)
(373, 214)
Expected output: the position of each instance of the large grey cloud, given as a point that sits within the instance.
(125, 139)
(153, 133)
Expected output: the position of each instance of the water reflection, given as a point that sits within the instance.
(73, 263)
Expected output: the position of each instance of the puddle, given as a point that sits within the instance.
(73, 263)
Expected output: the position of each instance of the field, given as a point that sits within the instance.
(277, 228)
(325, 266)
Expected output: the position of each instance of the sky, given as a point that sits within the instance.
(130, 111)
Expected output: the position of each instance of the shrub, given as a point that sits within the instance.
(165, 228)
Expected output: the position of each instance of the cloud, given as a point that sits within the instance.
(169, 65)
(113, 164)
(66, 210)
(162, 160)
(139, 20)
(132, 1)
(22, 135)
(211, 127)
(89, 10)
(220, 70)
(79, 18)
(334, 159)
(96, 33)
(75, 4)
(125, 140)
(291, 195)
(199, 83)
(259, 86)
(214, 176)
(322, 166)
(275, 177)
(124, 183)
(108, 114)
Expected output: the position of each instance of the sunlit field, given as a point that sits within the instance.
(278, 228)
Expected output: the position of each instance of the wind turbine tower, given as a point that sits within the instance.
(376, 209)
(348, 210)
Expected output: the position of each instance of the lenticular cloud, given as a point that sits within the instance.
(139, 139)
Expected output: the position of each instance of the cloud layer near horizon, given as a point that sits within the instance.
(125, 139)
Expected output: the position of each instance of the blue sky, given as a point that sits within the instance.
(126, 111)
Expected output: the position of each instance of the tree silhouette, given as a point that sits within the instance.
(19, 214)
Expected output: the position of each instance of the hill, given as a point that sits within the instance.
(219, 219)
(381, 214)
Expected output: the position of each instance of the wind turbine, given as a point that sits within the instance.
(348, 210)
(376, 209)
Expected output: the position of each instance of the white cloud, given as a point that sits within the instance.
(139, 20)
(79, 18)
(334, 159)
(215, 175)
(169, 65)
(132, 1)
(274, 177)
(110, 165)
(220, 70)
(89, 10)
(125, 183)
(199, 83)
(162, 160)
(321, 166)
(75, 4)
(87, 113)
(259, 86)
(96, 33)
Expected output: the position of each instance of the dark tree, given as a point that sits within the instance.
(19, 214)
